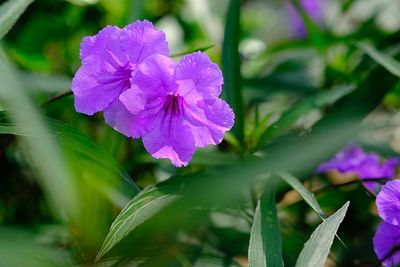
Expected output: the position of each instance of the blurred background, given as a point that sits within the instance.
(286, 65)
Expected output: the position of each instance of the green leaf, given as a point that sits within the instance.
(12, 129)
(35, 82)
(303, 107)
(10, 11)
(304, 193)
(231, 67)
(265, 248)
(53, 174)
(385, 60)
(141, 208)
(316, 249)
(83, 2)
(19, 247)
(72, 139)
(192, 50)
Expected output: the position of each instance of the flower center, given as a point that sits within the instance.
(120, 77)
(173, 104)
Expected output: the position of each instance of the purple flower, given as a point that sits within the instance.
(173, 107)
(352, 159)
(109, 59)
(387, 244)
(313, 8)
(388, 202)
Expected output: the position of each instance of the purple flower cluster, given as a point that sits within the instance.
(387, 237)
(174, 107)
(367, 166)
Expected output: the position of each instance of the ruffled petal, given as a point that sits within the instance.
(388, 202)
(209, 120)
(387, 244)
(105, 72)
(133, 99)
(106, 46)
(141, 40)
(154, 77)
(171, 139)
(198, 78)
(93, 93)
(132, 125)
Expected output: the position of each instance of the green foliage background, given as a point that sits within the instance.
(65, 177)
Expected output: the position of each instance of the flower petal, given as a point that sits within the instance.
(209, 120)
(387, 244)
(171, 139)
(92, 93)
(133, 99)
(154, 76)
(104, 74)
(345, 160)
(141, 40)
(106, 46)
(366, 165)
(132, 125)
(198, 78)
(388, 202)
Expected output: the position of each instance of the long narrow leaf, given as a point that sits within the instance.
(303, 192)
(54, 176)
(265, 248)
(305, 106)
(231, 67)
(388, 62)
(73, 139)
(138, 210)
(316, 249)
(10, 11)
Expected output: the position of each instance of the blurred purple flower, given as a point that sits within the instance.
(388, 202)
(314, 8)
(174, 107)
(108, 61)
(352, 159)
(387, 244)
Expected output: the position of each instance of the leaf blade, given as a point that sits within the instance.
(316, 249)
(306, 105)
(385, 60)
(231, 67)
(139, 209)
(73, 139)
(304, 193)
(10, 12)
(265, 247)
